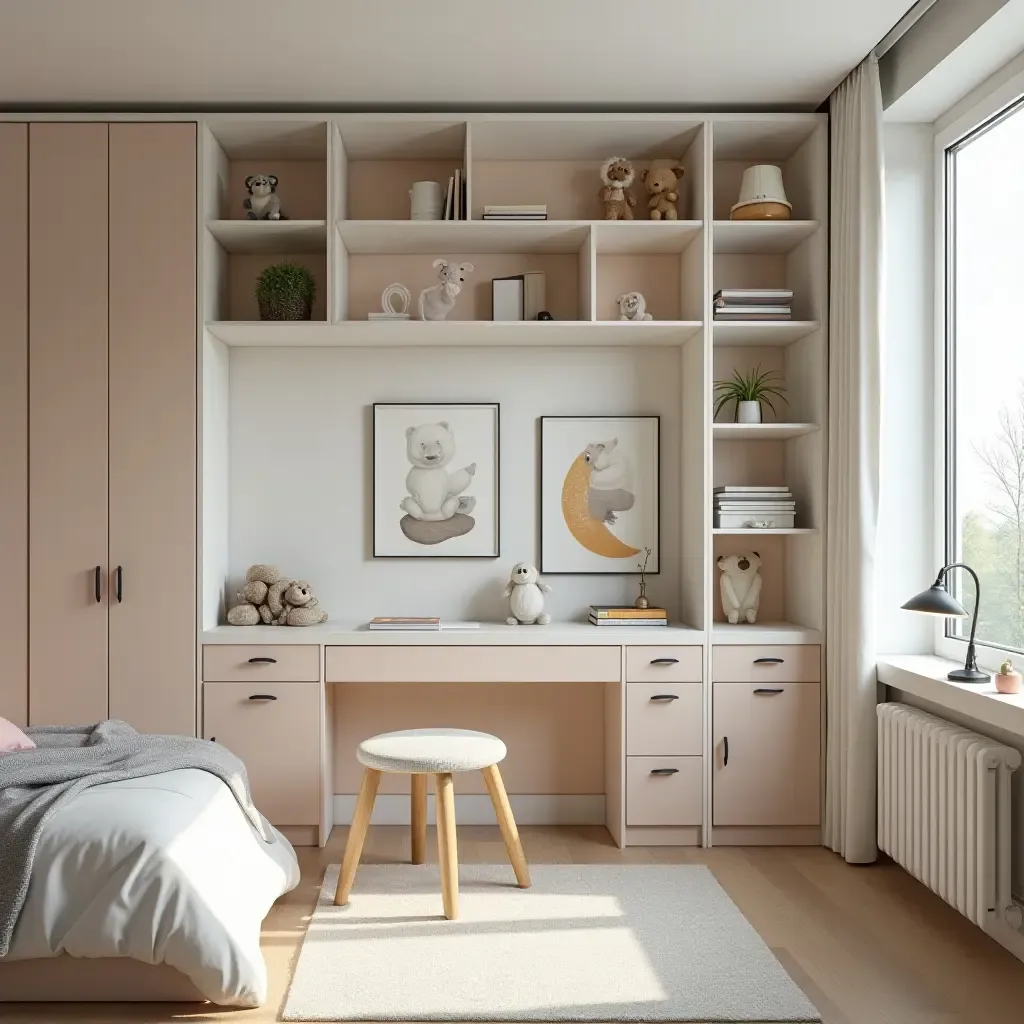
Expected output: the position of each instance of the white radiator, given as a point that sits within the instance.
(944, 812)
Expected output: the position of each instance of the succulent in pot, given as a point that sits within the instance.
(1008, 679)
(285, 291)
(748, 391)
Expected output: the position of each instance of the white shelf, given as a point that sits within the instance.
(629, 237)
(792, 531)
(763, 633)
(261, 236)
(774, 333)
(761, 431)
(439, 237)
(761, 236)
(455, 333)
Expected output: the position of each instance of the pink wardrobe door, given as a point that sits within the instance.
(14, 422)
(67, 422)
(153, 426)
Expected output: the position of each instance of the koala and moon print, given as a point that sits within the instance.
(435, 481)
(599, 493)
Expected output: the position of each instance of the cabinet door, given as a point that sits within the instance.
(772, 734)
(275, 729)
(67, 292)
(14, 422)
(153, 426)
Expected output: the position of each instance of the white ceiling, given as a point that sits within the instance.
(420, 53)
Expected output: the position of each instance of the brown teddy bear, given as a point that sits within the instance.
(617, 176)
(662, 181)
(301, 606)
(269, 597)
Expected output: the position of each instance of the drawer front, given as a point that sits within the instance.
(277, 738)
(663, 665)
(272, 663)
(472, 664)
(663, 718)
(671, 796)
(796, 663)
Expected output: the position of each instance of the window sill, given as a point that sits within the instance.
(924, 676)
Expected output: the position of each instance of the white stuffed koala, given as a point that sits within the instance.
(525, 592)
(741, 586)
(433, 491)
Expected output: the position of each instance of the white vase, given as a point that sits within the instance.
(748, 412)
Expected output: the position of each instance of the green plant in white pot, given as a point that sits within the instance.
(748, 391)
(285, 291)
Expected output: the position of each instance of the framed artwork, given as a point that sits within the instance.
(599, 493)
(435, 481)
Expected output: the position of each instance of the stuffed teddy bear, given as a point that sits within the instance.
(662, 186)
(617, 177)
(263, 202)
(525, 592)
(269, 597)
(301, 607)
(633, 306)
(741, 586)
(253, 596)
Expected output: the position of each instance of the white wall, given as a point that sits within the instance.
(906, 561)
(300, 473)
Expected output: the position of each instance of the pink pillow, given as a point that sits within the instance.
(12, 738)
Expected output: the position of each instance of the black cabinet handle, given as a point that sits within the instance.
(665, 696)
(262, 696)
(725, 750)
(118, 581)
(664, 771)
(768, 691)
(769, 661)
(664, 661)
(263, 661)
(98, 584)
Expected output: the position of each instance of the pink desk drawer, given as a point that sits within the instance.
(797, 663)
(663, 790)
(663, 718)
(471, 664)
(251, 663)
(663, 665)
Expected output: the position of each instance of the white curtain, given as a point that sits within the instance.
(855, 321)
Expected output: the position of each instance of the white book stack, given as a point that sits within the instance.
(750, 508)
(536, 211)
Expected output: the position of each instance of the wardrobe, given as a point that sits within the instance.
(98, 522)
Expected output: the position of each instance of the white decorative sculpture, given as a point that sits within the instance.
(741, 586)
(438, 301)
(525, 592)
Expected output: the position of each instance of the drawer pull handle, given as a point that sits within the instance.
(769, 661)
(768, 691)
(263, 661)
(664, 771)
(97, 584)
(665, 696)
(664, 661)
(262, 696)
(725, 751)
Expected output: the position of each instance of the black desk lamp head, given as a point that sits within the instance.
(937, 600)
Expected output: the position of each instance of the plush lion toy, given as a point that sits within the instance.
(617, 176)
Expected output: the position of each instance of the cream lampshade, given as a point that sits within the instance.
(762, 195)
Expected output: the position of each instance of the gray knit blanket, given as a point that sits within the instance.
(71, 759)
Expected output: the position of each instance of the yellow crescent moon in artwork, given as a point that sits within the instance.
(590, 532)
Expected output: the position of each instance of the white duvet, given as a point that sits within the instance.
(163, 869)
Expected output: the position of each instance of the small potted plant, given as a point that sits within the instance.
(1008, 679)
(285, 291)
(748, 391)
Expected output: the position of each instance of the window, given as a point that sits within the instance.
(984, 410)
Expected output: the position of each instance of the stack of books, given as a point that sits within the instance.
(626, 615)
(754, 508)
(455, 197)
(754, 304)
(537, 211)
(396, 622)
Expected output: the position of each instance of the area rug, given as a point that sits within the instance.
(585, 943)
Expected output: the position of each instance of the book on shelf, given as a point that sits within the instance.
(594, 621)
(755, 506)
(751, 489)
(534, 293)
(515, 216)
(754, 296)
(508, 295)
(750, 318)
(449, 199)
(514, 208)
(406, 622)
(754, 520)
(751, 310)
(626, 611)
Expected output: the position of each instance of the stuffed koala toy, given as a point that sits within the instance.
(662, 183)
(263, 202)
(525, 592)
(633, 306)
(741, 586)
(617, 176)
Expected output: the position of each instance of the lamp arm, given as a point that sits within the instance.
(972, 658)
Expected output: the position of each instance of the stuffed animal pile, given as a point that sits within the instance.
(271, 598)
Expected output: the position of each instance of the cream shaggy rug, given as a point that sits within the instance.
(585, 943)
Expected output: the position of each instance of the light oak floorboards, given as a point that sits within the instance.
(868, 945)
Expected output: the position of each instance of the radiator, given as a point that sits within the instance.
(944, 811)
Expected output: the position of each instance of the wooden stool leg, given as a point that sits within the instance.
(419, 819)
(507, 824)
(447, 844)
(357, 835)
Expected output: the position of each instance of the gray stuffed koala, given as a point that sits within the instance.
(263, 202)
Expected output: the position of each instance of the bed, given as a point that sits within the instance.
(151, 888)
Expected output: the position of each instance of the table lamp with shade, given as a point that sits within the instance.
(937, 600)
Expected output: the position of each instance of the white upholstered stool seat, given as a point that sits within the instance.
(431, 751)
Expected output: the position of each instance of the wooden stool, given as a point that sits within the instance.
(441, 753)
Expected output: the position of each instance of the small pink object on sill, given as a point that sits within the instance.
(1008, 679)
(12, 738)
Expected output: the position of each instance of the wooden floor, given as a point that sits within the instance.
(868, 945)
